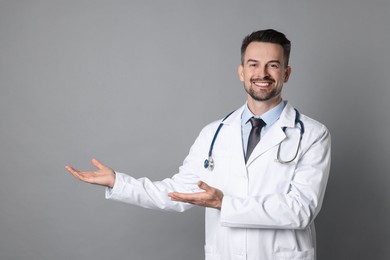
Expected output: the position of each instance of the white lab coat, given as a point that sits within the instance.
(268, 207)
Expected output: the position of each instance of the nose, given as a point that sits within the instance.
(262, 72)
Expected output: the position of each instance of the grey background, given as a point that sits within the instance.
(83, 79)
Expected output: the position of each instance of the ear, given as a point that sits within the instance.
(287, 74)
(241, 72)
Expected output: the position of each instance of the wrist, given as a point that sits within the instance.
(220, 200)
(112, 179)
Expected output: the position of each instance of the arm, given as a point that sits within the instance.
(144, 192)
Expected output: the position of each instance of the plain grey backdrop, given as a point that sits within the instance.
(83, 79)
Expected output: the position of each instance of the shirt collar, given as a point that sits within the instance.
(268, 117)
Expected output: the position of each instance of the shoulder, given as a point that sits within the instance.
(230, 118)
(290, 115)
(312, 123)
(211, 128)
(314, 129)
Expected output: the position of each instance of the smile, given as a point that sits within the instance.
(261, 84)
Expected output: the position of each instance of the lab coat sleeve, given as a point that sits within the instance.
(146, 193)
(297, 207)
(154, 194)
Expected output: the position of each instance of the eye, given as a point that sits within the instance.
(273, 65)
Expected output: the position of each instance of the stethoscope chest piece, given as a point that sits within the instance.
(209, 163)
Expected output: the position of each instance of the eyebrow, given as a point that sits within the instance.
(271, 61)
(251, 60)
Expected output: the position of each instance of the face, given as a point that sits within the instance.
(264, 72)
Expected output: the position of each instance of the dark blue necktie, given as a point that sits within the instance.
(254, 136)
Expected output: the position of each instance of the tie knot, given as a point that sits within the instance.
(257, 122)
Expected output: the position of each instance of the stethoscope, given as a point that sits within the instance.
(209, 162)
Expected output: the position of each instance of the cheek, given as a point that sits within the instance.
(244, 79)
(279, 77)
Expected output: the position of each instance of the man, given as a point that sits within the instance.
(261, 197)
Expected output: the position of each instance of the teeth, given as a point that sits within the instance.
(261, 84)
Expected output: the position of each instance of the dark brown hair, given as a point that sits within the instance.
(271, 36)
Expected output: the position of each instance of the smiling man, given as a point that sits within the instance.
(265, 173)
(263, 70)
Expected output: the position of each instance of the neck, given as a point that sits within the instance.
(260, 107)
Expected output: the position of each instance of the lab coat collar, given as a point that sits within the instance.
(235, 117)
(273, 136)
(287, 118)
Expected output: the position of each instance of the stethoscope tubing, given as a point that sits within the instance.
(209, 162)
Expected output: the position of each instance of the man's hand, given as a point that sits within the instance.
(210, 197)
(104, 176)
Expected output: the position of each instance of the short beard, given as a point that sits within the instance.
(269, 96)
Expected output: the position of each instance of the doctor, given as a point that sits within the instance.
(258, 205)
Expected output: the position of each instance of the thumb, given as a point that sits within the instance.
(98, 164)
(203, 186)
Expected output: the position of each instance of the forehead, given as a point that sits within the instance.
(263, 51)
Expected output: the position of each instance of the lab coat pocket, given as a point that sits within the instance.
(211, 253)
(286, 254)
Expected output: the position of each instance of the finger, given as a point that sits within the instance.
(74, 172)
(184, 197)
(70, 169)
(98, 164)
(174, 197)
(183, 200)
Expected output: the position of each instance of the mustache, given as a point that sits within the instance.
(266, 78)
